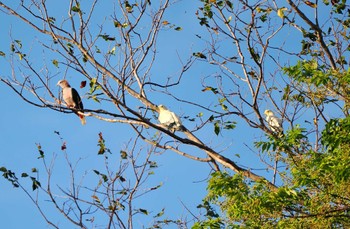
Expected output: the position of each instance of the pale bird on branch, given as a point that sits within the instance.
(169, 119)
(72, 99)
(274, 123)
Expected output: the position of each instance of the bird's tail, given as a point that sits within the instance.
(82, 119)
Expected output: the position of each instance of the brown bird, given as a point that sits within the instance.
(72, 99)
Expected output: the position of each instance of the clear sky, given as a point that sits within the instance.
(24, 126)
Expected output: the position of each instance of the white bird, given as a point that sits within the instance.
(169, 119)
(275, 123)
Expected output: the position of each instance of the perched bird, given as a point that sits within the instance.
(72, 99)
(169, 119)
(275, 123)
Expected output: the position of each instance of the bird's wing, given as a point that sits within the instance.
(77, 100)
(165, 117)
(175, 119)
(275, 123)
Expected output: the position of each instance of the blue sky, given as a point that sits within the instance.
(24, 126)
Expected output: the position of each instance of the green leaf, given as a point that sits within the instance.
(70, 48)
(97, 49)
(55, 62)
(159, 214)
(117, 24)
(178, 28)
(152, 164)
(123, 154)
(203, 21)
(217, 128)
(2, 53)
(94, 85)
(24, 175)
(52, 20)
(211, 118)
(41, 152)
(106, 37)
(128, 7)
(229, 4)
(104, 177)
(76, 8)
(156, 187)
(19, 43)
(230, 125)
(143, 211)
(35, 183)
(199, 55)
(3, 169)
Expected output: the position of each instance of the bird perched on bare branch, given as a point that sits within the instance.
(274, 123)
(169, 119)
(72, 99)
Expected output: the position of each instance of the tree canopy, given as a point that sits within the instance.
(128, 57)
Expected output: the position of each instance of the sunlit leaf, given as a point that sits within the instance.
(76, 8)
(213, 89)
(280, 12)
(159, 214)
(112, 51)
(20, 55)
(52, 20)
(96, 199)
(55, 62)
(200, 55)
(123, 154)
(19, 43)
(311, 4)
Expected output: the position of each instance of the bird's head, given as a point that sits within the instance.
(63, 83)
(161, 107)
(268, 112)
